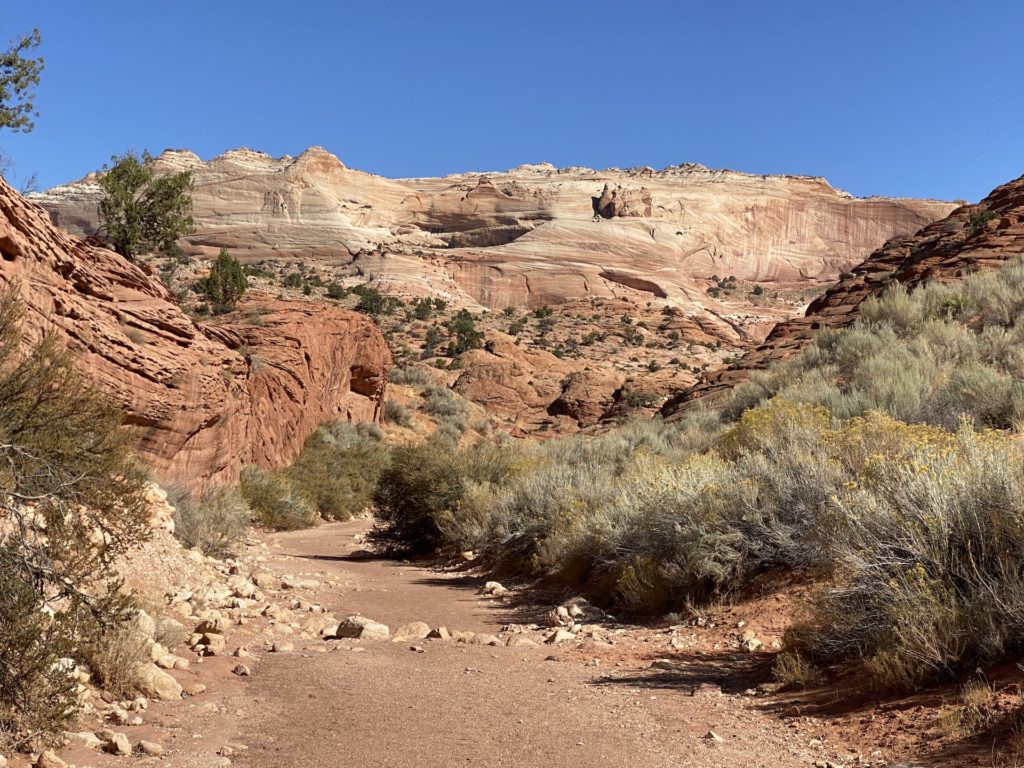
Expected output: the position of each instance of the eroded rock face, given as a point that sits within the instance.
(944, 250)
(531, 236)
(203, 400)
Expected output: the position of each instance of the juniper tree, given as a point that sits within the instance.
(141, 212)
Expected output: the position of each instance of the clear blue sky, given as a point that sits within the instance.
(920, 98)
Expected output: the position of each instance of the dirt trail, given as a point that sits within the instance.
(381, 704)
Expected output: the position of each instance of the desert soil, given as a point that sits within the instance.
(670, 696)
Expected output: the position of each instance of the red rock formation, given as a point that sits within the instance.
(202, 400)
(971, 238)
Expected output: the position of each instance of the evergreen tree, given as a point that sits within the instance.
(140, 212)
(226, 283)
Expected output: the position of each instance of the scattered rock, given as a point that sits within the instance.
(440, 633)
(214, 625)
(241, 670)
(713, 737)
(484, 639)
(281, 646)
(195, 689)
(416, 630)
(520, 641)
(751, 645)
(212, 644)
(559, 617)
(85, 739)
(663, 664)
(559, 636)
(362, 628)
(417, 649)
(118, 744)
(793, 711)
(151, 748)
(157, 684)
(291, 582)
(493, 589)
(49, 759)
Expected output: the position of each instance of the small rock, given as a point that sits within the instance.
(362, 628)
(793, 711)
(157, 684)
(559, 636)
(713, 737)
(241, 670)
(290, 582)
(751, 645)
(416, 630)
(440, 633)
(85, 739)
(214, 625)
(118, 744)
(417, 649)
(663, 664)
(151, 748)
(520, 641)
(494, 589)
(559, 617)
(195, 689)
(49, 759)
(281, 646)
(484, 639)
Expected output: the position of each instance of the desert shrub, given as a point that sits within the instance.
(441, 402)
(410, 375)
(338, 467)
(932, 355)
(420, 484)
(213, 523)
(37, 696)
(794, 671)
(114, 652)
(396, 413)
(929, 560)
(274, 503)
(63, 449)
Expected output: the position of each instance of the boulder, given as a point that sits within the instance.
(157, 684)
(362, 628)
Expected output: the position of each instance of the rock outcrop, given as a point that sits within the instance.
(971, 238)
(203, 400)
(531, 236)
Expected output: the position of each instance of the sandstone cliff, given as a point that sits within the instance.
(971, 238)
(531, 236)
(203, 400)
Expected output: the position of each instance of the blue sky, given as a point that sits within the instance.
(892, 98)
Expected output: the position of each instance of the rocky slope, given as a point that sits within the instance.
(971, 238)
(203, 400)
(531, 236)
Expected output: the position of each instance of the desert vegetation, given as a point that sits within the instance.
(882, 462)
(72, 501)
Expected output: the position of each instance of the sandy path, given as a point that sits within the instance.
(384, 705)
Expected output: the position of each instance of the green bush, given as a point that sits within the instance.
(421, 484)
(274, 503)
(63, 448)
(225, 284)
(338, 467)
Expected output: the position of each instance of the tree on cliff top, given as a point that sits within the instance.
(19, 76)
(141, 212)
